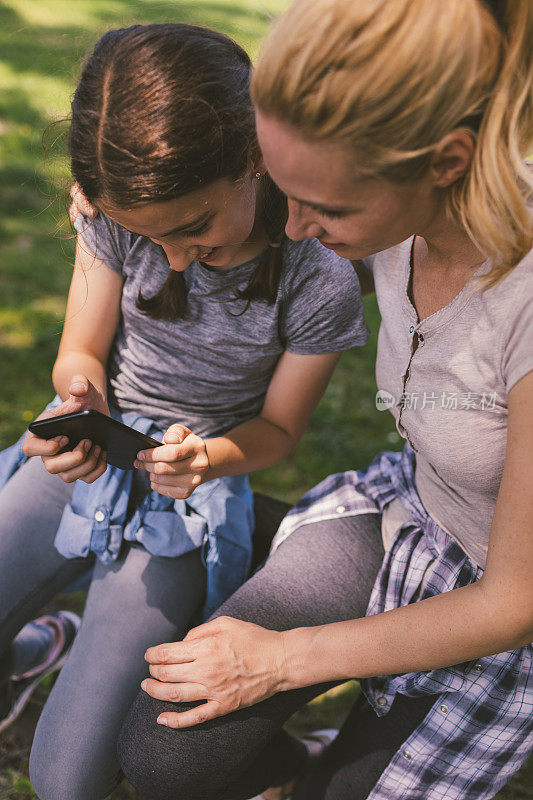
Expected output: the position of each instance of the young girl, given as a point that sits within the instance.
(399, 131)
(191, 317)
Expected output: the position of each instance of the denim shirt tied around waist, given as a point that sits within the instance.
(218, 517)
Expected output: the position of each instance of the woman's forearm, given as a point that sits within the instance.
(73, 363)
(440, 631)
(255, 444)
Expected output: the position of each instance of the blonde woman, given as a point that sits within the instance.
(398, 129)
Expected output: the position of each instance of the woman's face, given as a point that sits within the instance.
(354, 217)
(214, 224)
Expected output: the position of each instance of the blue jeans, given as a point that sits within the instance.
(137, 601)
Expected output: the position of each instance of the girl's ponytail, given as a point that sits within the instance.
(492, 202)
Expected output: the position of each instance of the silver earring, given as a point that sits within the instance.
(258, 176)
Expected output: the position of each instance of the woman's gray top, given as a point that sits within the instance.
(446, 380)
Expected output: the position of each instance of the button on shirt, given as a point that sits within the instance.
(450, 376)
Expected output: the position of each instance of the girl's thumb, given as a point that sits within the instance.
(175, 434)
(78, 385)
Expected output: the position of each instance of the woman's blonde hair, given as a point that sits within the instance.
(392, 77)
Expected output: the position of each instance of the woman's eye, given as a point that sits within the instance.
(332, 214)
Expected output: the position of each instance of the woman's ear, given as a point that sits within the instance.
(452, 158)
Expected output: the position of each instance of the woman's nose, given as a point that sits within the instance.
(300, 224)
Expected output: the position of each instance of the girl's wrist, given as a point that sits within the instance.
(209, 473)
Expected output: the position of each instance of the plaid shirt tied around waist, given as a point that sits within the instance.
(479, 731)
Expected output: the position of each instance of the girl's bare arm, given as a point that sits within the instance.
(186, 460)
(91, 320)
(79, 373)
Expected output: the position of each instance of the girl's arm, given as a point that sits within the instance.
(91, 320)
(295, 389)
(231, 659)
(298, 383)
(79, 373)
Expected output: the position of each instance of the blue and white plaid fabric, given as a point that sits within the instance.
(479, 731)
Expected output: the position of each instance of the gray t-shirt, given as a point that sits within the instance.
(449, 398)
(211, 371)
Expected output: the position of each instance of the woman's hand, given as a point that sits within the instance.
(85, 461)
(80, 204)
(178, 466)
(229, 663)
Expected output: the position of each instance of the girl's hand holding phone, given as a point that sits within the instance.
(84, 462)
(178, 466)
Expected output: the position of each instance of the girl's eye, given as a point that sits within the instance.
(198, 231)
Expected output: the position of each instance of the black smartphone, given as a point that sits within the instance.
(121, 442)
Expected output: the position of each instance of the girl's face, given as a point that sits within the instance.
(215, 224)
(355, 217)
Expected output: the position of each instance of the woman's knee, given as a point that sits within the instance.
(167, 764)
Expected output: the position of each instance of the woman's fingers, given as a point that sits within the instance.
(207, 629)
(171, 653)
(194, 716)
(175, 673)
(231, 663)
(174, 692)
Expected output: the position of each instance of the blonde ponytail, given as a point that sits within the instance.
(390, 78)
(492, 201)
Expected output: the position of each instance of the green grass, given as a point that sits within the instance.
(42, 43)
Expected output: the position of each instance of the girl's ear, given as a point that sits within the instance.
(451, 158)
(255, 159)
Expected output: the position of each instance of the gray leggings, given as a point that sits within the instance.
(322, 573)
(138, 601)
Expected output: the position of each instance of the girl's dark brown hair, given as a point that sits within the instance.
(162, 110)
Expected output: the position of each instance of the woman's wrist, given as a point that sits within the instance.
(300, 664)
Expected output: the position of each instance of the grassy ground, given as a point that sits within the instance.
(41, 46)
